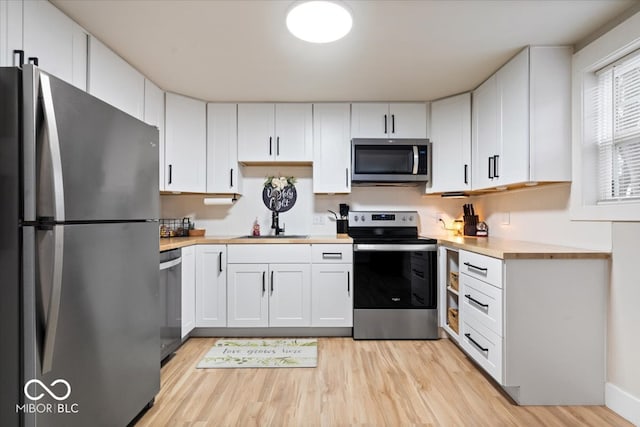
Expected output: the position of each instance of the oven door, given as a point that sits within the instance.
(394, 276)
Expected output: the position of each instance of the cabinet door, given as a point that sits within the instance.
(222, 152)
(485, 133)
(58, 42)
(256, 127)
(407, 120)
(370, 120)
(289, 295)
(332, 291)
(114, 81)
(451, 138)
(513, 89)
(293, 132)
(188, 289)
(10, 31)
(186, 144)
(211, 286)
(247, 295)
(331, 149)
(154, 116)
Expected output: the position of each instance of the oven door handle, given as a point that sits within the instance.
(388, 247)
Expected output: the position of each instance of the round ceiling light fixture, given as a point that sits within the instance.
(319, 21)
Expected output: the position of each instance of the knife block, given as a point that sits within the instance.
(470, 225)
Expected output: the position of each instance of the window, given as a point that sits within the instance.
(618, 130)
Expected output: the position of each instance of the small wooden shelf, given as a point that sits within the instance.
(451, 290)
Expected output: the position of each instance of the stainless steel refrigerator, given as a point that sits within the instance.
(79, 335)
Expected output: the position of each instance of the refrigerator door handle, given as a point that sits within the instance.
(54, 147)
(53, 311)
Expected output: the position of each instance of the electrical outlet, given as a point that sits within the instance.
(318, 219)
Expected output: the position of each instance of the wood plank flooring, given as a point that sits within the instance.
(375, 383)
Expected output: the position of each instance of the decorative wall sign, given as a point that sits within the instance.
(279, 193)
(279, 200)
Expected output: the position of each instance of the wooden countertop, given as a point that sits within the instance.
(517, 249)
(180, 242)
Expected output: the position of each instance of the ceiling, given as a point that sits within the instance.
(397, 50)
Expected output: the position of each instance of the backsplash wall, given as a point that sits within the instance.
(238, 218)
(535, 214)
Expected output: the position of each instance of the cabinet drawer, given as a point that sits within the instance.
(482, 302)
(482, 345)
(268, 253)
(481, 267)
(332, 253)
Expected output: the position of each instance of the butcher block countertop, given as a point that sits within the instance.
(181, 242)
(517, 249)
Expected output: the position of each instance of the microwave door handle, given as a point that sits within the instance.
(416, 160)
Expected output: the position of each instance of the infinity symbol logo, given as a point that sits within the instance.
(52, 394)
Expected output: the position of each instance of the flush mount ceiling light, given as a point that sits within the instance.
(319, 21)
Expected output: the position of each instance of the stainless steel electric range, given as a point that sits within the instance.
(394, 277)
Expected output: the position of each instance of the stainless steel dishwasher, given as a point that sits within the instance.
(170, 319)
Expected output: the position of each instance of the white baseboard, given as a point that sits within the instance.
(624, 404)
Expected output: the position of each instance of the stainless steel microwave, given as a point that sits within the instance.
(390, 161)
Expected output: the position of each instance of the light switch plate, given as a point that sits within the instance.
(318, 219)
(505, 218)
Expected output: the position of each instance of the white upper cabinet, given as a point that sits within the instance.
(154, 116)
(451, 138)
(223, 175)
(57, 43)
(383, 120)
(185, 144)
(275, 132)
(10, 32)
(484, 132)
(522, 120)
(114, 81)
(331, 148)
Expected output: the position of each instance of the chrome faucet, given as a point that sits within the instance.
(275, 223)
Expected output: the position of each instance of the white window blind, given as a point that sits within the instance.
(618, 130)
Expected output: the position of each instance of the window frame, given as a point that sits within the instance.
(602, 52)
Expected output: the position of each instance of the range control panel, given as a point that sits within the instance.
(383, 219)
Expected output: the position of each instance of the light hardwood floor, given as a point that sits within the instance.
(377, 383)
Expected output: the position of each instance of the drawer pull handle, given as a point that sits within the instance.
(331, 255)
(475, 343)
(470, 298)
(475, 267)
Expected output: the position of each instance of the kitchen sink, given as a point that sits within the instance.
(281, 236)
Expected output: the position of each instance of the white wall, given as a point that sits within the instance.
(541, 214)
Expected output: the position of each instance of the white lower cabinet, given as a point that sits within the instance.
(188, 315)
(247, 297)
(261, 295)
(331, 285)
(211, 286)
(536, 324)
(269, 285)
(332, 295)
(483, 345)
(289, 295)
